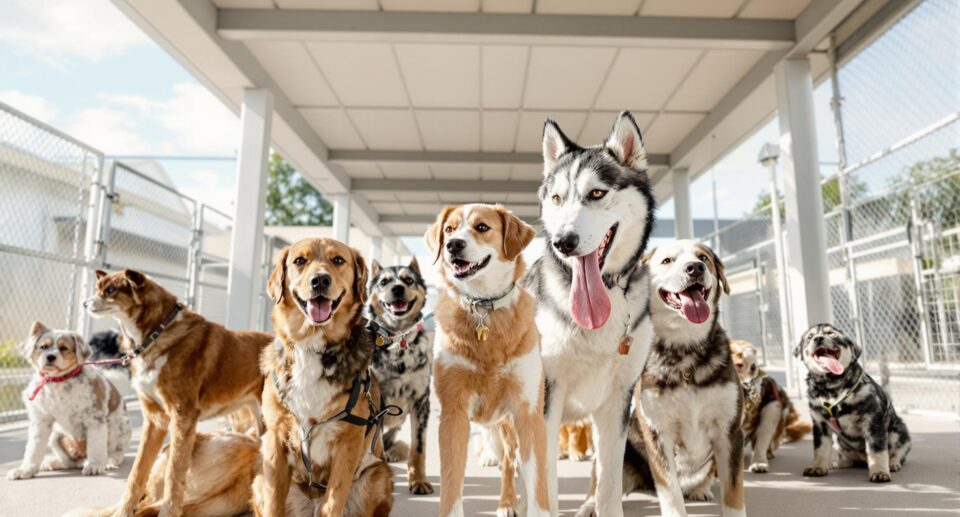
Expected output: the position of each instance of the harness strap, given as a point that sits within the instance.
(834, 403)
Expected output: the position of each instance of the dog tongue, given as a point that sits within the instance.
(827, 361)
(695, 308)
(319, 309)
(589, 303)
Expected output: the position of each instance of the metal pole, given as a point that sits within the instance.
(761, 304)
(682, 221)
(915, 234)
(91, 249)
(196, 256)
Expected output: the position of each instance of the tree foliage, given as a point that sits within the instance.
(829, 190)
(291, 201)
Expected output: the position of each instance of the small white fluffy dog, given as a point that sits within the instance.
(72, 406)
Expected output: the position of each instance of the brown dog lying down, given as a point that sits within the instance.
(321, 403)
(185, 369)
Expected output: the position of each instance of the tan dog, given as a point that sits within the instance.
(185, 369)
(487, 367)
(576, 440)
(769, 417)
(320, 395)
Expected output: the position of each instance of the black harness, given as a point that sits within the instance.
(360, 387)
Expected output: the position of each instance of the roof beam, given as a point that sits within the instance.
(480, 158)
(445, 186)
(250, 24)
(426, 219)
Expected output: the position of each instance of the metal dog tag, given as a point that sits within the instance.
(403, 343)
(483, 332)
(625, 343)
(380, 341)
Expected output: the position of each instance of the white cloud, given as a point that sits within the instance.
(56, 29)
(33, 105)
(210, 187)
(109, 130)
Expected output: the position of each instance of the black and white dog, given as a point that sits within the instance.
(402, 362)
(845, 401)
(597, 211)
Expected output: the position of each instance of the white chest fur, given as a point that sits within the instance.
(146, 379)
(307, 395)
(692, 416)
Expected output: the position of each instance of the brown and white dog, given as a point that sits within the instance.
(185, 369)
(320, 394)
(769, 417)
(487, 367)
(689, 401)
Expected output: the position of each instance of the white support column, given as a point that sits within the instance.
(376, 248)
(807, 270)
(394, 244)
(341, 217)
(245, 283)
(682, 218)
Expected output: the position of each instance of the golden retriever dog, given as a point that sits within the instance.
(487, 367)
(576, 440)
(321, 403)
(185, 369)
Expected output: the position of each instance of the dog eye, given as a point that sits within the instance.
(299, 261)
(338, 260)
(408, 281)
(556, 199)
(703, 258)
(482, 228)
(385, 281)
(110, 290)
(448, 229)
(62, 348)
(666, 261)
(596, 194)
(753, 368)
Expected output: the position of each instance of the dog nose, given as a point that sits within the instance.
(818, 340)
(51, 358)
(397, 290)
(456, 245)
(566, 243)
(85, 303)
(320, 281)
(695, 268)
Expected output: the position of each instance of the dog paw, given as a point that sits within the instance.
(758, 468)
(814, 472)
(52, 464)
(895, 467)
(397, 452)
(93, 470)
(507, 512)
(771, 455)
(880, 477)
(420, 487)
(700, 495)
(563, 454)
(578, 456)
(22, 473)
(488, 460)
(587, 510)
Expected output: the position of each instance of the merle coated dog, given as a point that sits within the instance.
(847, 403)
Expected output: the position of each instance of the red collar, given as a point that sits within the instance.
(44, 379)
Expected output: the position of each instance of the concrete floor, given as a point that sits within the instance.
(929, 484)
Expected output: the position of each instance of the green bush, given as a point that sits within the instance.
(9, 355)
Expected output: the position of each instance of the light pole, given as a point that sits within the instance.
(769, 154)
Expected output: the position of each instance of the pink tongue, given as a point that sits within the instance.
(319, 311)
(828, 362)
(589, 303)
(695, 308)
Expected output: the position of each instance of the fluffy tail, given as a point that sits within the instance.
(796, 429)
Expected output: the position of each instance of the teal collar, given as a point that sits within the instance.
(489, 304)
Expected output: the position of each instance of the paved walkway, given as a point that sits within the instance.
(929, 484)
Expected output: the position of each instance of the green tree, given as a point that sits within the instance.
(291, 201)
(829, 190)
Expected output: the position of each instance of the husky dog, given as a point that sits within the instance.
(402, 362)
(597, 211)
(845, 401)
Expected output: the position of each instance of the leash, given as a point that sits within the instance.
(374, 421)
(385, 337)
(487, 305)
(44, 379)
(834, 403)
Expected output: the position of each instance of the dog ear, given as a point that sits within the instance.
(647, 257)
(81, 348)
(276, 284)
(626, 143)
(721, 276)
(414, 266)
(359, 276)
(855, 347)
(374, 268)
(555, 144)
(434, 236)
(26, 347)
(516, 233)
(798, 348)
(136, 278)
(100, 273)
(37, 329)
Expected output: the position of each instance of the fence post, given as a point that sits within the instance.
(98, 209)
(759, 273)
(195, 255)
(915, 235)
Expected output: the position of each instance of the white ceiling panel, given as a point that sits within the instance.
(455, 171)
(504, 70)
(499, 128)
(351, 5)
(644, 78)
(495, 172)
(362, 170)
(565, 77)
(394, 130)
(441, 76)
(522, 197)
(595, 7)
(334, 128)
(380, 196)
(507, 6)
(386, 207)
(404, 171)
(456, 198)
(431, 5)
(243, 4)
(599, 124)
(530, 132)
(774, 9)
(668, 129)
(449, 130)
(420, 197)
(531, 172)
(291, 66)
(697, 8)
(712, 78)
(422, 208)
(362, 74)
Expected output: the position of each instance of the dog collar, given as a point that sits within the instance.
(139, 349)
(44, 379)
(385, 337)
(490, 304)
(834, 403)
